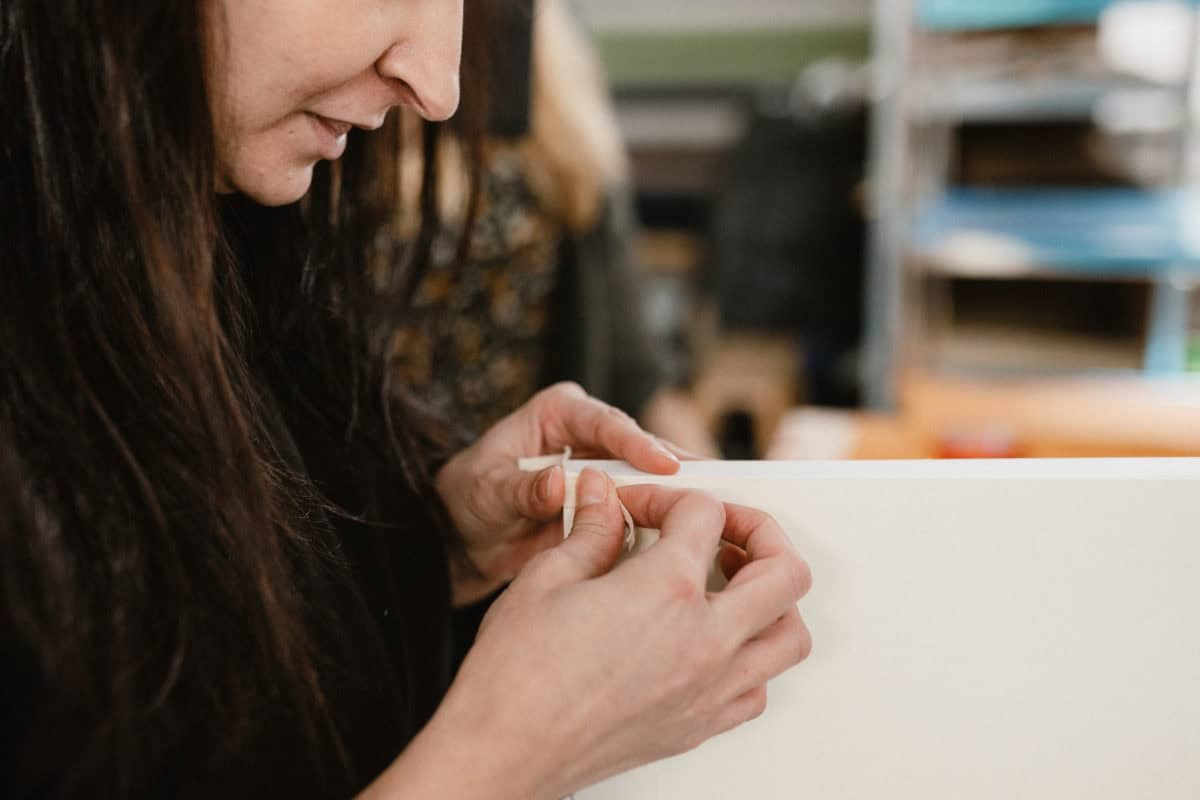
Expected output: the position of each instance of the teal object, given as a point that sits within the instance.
(950, 15)
(1098, 233)
(1089, 233)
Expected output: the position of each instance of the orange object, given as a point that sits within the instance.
(982, 443)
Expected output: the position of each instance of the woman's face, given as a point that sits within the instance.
(290, 78)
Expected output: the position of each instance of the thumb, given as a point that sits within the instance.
(536, 496)
(599, 530)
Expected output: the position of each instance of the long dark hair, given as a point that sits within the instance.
(150, 526)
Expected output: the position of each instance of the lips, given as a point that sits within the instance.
(331, 135)
(334, 126)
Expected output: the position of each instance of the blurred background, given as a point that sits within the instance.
(917, 228)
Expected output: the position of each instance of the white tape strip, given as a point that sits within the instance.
(539, 463)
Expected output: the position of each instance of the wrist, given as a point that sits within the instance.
(463, 755)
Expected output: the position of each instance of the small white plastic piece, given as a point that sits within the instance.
(539, 463)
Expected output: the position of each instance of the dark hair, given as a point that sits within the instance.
(151, 528)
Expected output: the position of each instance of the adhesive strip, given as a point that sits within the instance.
(539, 463)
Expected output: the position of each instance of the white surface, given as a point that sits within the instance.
(982, 630)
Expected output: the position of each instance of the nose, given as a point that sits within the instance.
(425, 67)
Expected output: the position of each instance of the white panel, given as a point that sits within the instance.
(982, 630)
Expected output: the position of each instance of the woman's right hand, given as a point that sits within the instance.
(582, 671)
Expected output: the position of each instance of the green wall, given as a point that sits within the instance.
(724, 58)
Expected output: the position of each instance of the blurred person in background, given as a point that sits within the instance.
(548, 288)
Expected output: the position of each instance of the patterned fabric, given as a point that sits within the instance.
(474, 342)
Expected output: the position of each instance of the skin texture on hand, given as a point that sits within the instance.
(506, 516)
(582, 671)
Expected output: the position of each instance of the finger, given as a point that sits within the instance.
(538, 496)
(599, 530)
(682, 453)
(755, 531)
(730, 560)
(747, 707)
(689, 521)
(771, 583)
(777, 649)
(573, 419)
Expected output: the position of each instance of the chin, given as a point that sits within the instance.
(277, 188)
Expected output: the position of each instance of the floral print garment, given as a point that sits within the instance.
(474, 343)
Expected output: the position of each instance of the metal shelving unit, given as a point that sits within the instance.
(923, 227)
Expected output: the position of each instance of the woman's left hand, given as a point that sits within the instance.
(506, 516)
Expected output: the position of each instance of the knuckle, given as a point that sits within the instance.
(588, 517)
(601, 519)
(693, 739)
(556, 396)
(617, 414)
(681, 587)
(756, 703)
(586, 525)
(565, 390)
(703, 503)
(769, 523)
(804, 646)
(799, 577)
(596, 429)
(481, 487)
(799, 641)
(757, 518)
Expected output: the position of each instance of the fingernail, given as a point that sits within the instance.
(592, 489)
(662, 449)
(545, 484)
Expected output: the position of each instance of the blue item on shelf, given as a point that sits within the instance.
(949, 15)
(1094, 232)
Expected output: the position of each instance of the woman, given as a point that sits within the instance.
(225, 562)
